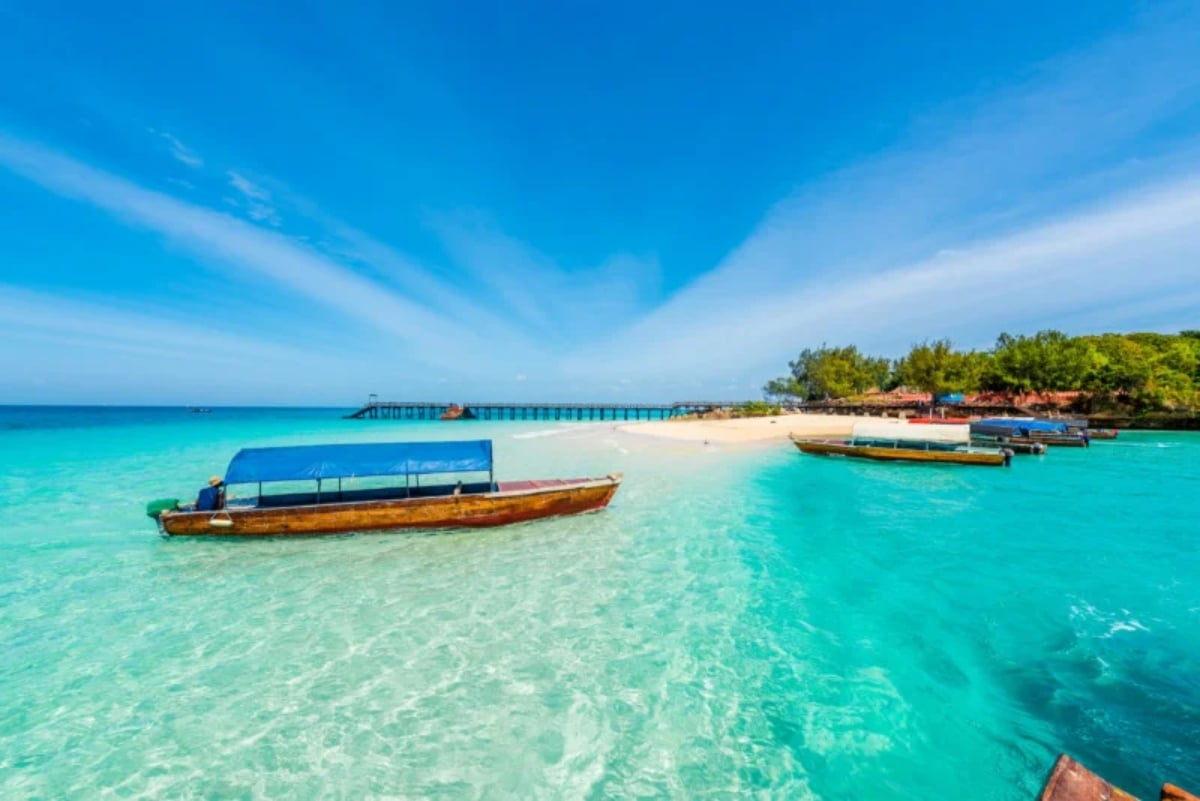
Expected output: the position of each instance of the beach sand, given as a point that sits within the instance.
(753, 430)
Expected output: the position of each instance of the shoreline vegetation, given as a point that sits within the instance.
(1138, 380)
(1132, 381)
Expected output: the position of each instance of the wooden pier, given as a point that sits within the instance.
(421, 410)
(400, 410)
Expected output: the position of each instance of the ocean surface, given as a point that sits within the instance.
(738, 624)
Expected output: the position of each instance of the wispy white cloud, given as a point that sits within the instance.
(256, 198)
(445, 295)
(247, 187)
(1041, 201)
(290, 265)
(978, 168)
(571, 305)
(182, 153)
(90, 326)
(1145, 243)
(56, 348)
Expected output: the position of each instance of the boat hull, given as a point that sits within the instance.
(1063, 441)
(513, 503)
(1005, 435)
(900, 454)
(1015, 444)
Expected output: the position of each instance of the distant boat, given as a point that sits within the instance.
(478, 503)
(1014, 444)
(453, 413)
(1029, 430)
(905, 451)
(1103, 433)
(199, 410)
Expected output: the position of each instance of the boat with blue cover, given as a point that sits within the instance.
(1005, 431)
(459, 490)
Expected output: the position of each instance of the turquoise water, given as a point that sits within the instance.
(750, 623)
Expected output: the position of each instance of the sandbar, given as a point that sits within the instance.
(753, 430)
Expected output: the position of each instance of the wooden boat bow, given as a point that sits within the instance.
(1071, 781)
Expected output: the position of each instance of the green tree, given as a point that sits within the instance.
(1118, 364)
(1049, 360)
(825, 372)
(1144, 370)
(937, 368)
(783, 388)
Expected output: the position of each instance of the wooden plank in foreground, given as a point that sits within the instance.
(1172, 793)
(1070, 781)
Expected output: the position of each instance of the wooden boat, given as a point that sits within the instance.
(1070, 781)
(1018, 429)
(904, 451)
(1102, 433)
(1023, 445)
(482, 503)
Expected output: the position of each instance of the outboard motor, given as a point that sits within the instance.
(1008, 455)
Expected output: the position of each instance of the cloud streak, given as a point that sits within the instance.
(1040, 202)
(561, 305)
(224, 240)
(257, 200)
(181, 152)
(1029, 279)
(109, 328)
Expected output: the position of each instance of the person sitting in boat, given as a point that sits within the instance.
(212, 497)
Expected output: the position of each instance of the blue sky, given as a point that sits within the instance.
(237, 203)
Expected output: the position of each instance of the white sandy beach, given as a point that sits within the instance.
(768, 429)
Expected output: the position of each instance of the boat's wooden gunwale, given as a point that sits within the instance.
(1022, 445)
(828, 448)
(1070, 781)
(1061, 442)
(454, 511)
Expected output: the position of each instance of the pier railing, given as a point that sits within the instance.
(509, 410)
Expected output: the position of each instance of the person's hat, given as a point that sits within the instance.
(214, 481)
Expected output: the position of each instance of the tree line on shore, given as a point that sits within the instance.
(1140, 371)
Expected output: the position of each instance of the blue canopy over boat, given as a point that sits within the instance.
(1017, 424)
(312, 462)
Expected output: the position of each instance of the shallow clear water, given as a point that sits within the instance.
(753, 623)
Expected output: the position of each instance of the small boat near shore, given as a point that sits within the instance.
(905, 451)
(482, 502)
(1029, 430)
(1021, 445)
(1102, 433)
